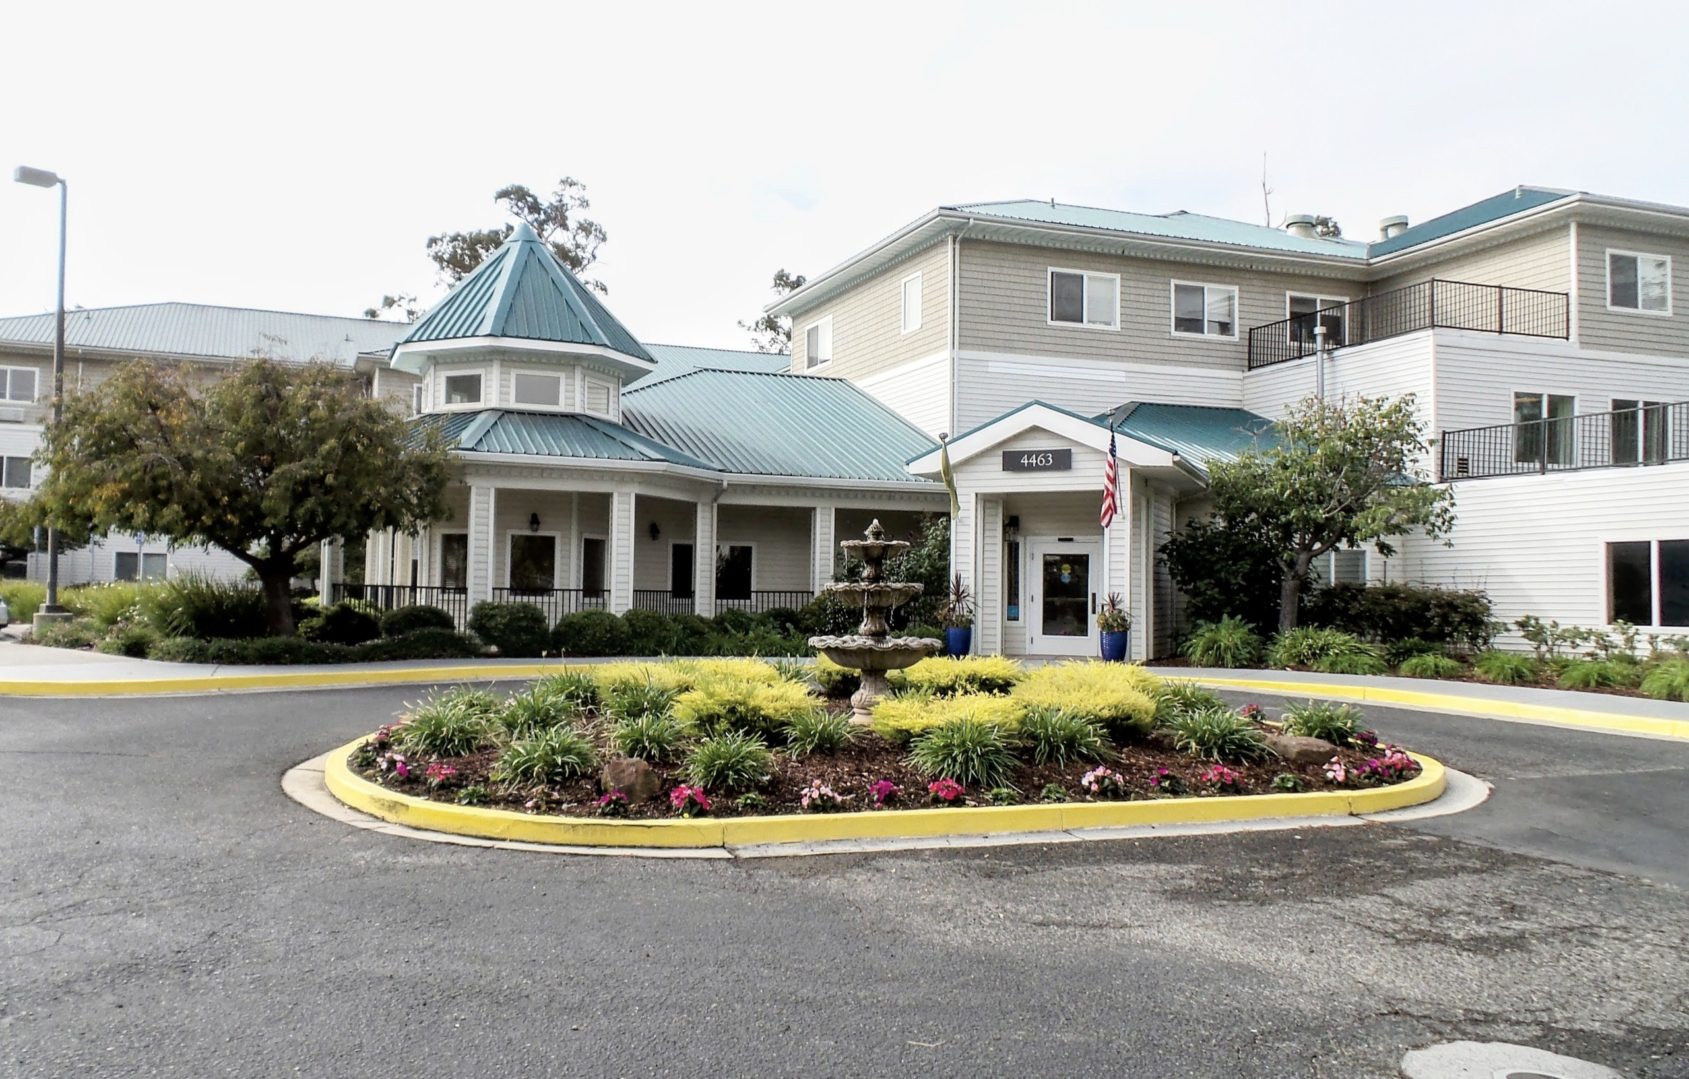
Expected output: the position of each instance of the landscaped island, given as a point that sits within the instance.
(738, 737)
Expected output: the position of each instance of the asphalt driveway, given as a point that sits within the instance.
(166, 910)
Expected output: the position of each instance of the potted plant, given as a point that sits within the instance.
(957, 615)
(1116, 626)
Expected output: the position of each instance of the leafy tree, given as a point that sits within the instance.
(265, 463)
(407, 306)
(18, 524)
(1222, 569)
(558, 221)
(1343, 473)
(771, 333)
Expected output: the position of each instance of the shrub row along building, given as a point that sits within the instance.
(1539, 331)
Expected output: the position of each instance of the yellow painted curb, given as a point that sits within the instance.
(360, 794)
(1471, 706)
(132, 687)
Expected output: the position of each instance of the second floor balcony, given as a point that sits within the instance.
(1435, 304)
(1648, 434)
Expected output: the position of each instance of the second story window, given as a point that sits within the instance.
(1204, 310)
(1637, 282)
(532, 388)
(1543, 431)
(14, 472)
(1301, 309)
(597, 397)
(911, 303)
(463, 389)
(818, 343)
(1085, 299)
(17, 384)
(416, 399)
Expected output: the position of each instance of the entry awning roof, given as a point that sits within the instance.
(1197, 433)
(550, 434)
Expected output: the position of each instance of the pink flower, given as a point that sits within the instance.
(1336, 772)
(945, 790)
(883, 790)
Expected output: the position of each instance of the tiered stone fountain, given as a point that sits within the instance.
(872, 649)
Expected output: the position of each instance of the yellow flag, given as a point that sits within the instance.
(949, 477)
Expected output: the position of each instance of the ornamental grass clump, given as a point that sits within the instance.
(730, 761)
(612, 676)
(1218, 734)
(759, 708)
(532, 711)
(650, 736)
(450, 724)
(1506, 668)
(577, 687)
(972, 752)
(1179, 698)
(1334, 723)
(1431, 665)
(1112, 694)
(1327, 650)
(629, 700)
(1667, 679)
(1057, 736)
(1230, 642)
(906, 716)
(947, 677)
(816, 731)
(551, 756)
(1588, 674)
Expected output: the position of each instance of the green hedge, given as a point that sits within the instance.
(422, 644)
(402, 620)
(1385, 613)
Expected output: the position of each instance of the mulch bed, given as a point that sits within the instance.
(866, 759)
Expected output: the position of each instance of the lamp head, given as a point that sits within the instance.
(23, 174)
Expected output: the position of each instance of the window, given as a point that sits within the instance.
(1011, 581)
(911, 303)
(1648, 582)
(463, 389)
(1638, 432)
(454, 560)
(17, 384)
(533, 562)
(1544, 432)
(1205, 310)
(597, 397)
(592, 566)
(1639, 282)
(528, 388)
(135, 566)
(14, 472)
(733, 571)
(416, 399)
(818, 343)
(1301, 308)
(1085, 299)
(1344, 566)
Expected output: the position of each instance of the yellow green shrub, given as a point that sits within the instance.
(760, 708)
(669, 676)
(834, 680)
(732, 670)
(1120, 696)
(946, 677)
(900, 718)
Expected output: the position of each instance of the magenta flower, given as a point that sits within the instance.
(945, 790)
(883, 790)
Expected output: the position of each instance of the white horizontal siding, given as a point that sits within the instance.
(1629, 331)
(868, 335)
(1388, 368)
(1540, 261)
(991, 383)
(917, 391)
(1536, 544)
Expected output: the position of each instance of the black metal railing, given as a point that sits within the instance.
(1449, 305)
(662, 601)
(758, 602)
(556, 602)
(1650, 435)
(387, 597)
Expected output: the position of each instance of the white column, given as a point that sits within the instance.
(480, 527)
(703, 560)
(327, 570)
(823, 538)
(622, 508)
(988, 585)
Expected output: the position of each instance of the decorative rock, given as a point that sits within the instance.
(1300, 750)
(633, 777)
(1161, 739)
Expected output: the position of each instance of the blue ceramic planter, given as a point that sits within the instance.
(1114, 644)
(958, 642)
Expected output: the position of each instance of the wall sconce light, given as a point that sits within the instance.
(533, 522)
(654, 531)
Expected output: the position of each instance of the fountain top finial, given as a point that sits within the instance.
(875, 532)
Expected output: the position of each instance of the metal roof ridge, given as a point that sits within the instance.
(72, 312)
(509, 274)
(478, 427)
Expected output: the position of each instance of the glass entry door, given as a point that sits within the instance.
(1062, 584)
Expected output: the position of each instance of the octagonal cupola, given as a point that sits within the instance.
(516, 326)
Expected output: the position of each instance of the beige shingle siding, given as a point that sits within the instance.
(1627, 331)
(1005, 306)
(867, 318)
(1540, 261)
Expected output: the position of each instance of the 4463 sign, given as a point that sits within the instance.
(1037, 460)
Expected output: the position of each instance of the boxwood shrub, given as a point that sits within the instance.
(591, 633)
(402, 620)
(429, 643)
(515, 629)
(341, 624)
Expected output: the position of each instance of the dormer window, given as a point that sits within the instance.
(597, 394)
(463, 389)
(533, 388)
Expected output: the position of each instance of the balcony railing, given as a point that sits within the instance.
(659, 599)
(556, 602)
(1653, 434)
(387, 597)
(1451, 305)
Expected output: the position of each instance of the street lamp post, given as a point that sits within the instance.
(23, 174)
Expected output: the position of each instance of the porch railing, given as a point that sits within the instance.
(387, 597)
(1450, 305)
(1651, 435)
(758, 602)
(556, 602)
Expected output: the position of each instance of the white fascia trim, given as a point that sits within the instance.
(662, 468)
(426, 351)
(800, 297)
(1082, 432)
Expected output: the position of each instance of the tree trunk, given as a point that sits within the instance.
(1290, 593)
(278, 599)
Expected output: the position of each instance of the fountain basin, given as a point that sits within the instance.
(882, 594)
(872, 657)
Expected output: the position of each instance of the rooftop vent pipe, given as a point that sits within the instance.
(1391, 227)
(1300, 225)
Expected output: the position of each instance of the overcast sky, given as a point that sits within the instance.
(296, 156)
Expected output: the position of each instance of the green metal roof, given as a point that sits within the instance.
(550, 434)
(755, 423)
(1180, 225)
(1197, 433)
(195, 330)
(1482, 212)
(675, 360)
(522, 291)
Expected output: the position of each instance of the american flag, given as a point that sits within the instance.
(1111, 484)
